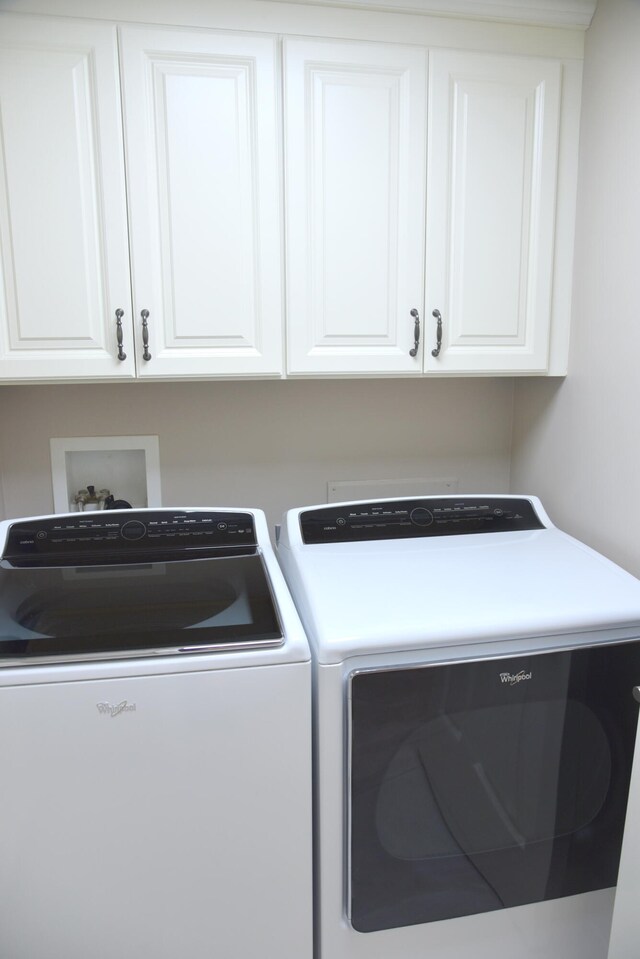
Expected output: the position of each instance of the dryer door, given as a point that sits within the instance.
(481, 785)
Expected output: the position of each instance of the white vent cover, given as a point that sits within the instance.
(347, 491)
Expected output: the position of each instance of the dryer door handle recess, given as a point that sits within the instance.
(636, 693)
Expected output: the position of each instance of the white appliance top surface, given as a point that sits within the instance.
(366, 597)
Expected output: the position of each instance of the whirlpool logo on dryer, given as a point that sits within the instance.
(113, 709)
(513, 678)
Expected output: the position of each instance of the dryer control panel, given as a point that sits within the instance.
(412, 518)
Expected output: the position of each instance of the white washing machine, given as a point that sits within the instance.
(474, 727)
(155, 747)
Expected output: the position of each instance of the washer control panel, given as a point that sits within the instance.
(408, 519)
(68, 538)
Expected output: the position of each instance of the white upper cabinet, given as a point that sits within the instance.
(64, 258)
(201, 130)
(147, 174)
(355, 129)
(356, 121)
(204, 196)
(491, 202)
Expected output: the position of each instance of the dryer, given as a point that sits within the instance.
(155, 745)
(474, 727)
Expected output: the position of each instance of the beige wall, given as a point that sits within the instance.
(268, 444)
(576, 443)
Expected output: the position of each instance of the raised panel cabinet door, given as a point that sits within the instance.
(491, 188)
(355, 127)
(201, 132)
(63, 222)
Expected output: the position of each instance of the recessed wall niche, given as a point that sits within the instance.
(127, 466)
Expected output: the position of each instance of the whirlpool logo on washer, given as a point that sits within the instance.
(513, 678)
(113, 709)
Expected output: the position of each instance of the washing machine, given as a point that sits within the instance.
(475, 723)
(155, 747)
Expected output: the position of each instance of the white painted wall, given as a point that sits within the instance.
(577, 443)
(273, 445)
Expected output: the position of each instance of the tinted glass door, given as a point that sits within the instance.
(125, 609)
(483, 785)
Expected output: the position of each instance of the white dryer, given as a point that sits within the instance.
(155, 746)
(475, 726)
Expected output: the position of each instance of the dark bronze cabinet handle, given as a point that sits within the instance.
(121, 353)
(438, 317)
(416, 333)
(145, 334)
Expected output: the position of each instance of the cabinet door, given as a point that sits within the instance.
(204, 201)
(63, 226)
(493, 155)
(355, 126)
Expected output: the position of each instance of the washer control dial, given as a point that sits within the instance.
(134, 529)
(421, 516)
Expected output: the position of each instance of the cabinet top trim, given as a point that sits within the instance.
(549, 13)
